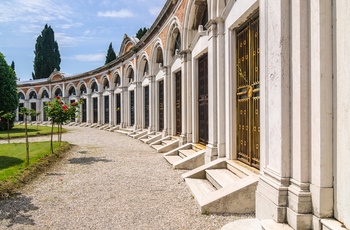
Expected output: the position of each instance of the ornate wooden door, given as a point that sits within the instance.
(178, 102)
(132, 108)
(118, 108)
(95, 110)
(83, 112)
(203, 99)
(146, 106)
(161, 105)
(248, 93)
(106, 109)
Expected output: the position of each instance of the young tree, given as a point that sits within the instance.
(60, 113)
(13, 65)
(8, 117)
(110, 54)
(8, 91)
(141, 32)
(26, 112)
(47, 56)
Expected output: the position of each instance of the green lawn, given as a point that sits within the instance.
(18, 131)
(12, 157)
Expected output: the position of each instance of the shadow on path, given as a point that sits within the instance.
(87, 160)
(15, 210)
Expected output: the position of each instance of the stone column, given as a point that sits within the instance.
(321, 109)
(138, 105)
(188, 63)
(124, 107)
(167, 98)
(299, 196)
(272, 191)
(152, 104)
(184, 100)
(212, 151)
(100, 106)
(88, 108)
(221, 87)
(111, 107)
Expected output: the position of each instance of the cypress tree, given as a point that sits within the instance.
(8, 91)
(141, 32)
(110, 54)
(47, 56)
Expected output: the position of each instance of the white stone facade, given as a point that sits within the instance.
(303, 92)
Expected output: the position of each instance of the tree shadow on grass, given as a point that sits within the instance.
(16, 209)
(7, 162)
(87, 160)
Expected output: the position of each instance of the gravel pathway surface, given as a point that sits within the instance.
(107, 181)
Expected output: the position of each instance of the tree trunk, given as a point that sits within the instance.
(51, 145)
(27, 142)
(8, 131)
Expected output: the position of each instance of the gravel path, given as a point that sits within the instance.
(107, 181)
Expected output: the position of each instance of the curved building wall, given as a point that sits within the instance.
(270, 74)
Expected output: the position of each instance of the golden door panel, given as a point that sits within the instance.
(248, 92)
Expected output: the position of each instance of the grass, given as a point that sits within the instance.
(13, 171)
(18, 131)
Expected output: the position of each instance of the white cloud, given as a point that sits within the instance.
(155, 10)
(116, 14)
(89, 57)
(65, 41)
(34, 11)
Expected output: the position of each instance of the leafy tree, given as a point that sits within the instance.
(8, 91)
(47, 56)
(8, 117)
(110, 54)
(141, 32)
(60, 113)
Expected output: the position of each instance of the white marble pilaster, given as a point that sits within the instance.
(188, 74)
(272, 191)
(152, 104)
(183, 137)
(299, 196)
(212, 151)
(167, 99)
(88, 108)
(111, 107)
(221, 125)
(321, 107)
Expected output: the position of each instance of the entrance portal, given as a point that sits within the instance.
(178, 102)
(248, 93)
(203, 99)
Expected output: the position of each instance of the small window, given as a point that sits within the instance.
(32, 95)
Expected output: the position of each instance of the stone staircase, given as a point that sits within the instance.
(188, 156)
(125, 131)
(150, 137)
(165, 144)
(223, 186)
(138, 133)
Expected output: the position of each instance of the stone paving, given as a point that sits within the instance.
(107, 181)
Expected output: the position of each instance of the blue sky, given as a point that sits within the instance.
(83, 29)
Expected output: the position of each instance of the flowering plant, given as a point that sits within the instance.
(59, 113)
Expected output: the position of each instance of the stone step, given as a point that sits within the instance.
(186, 152)
(156, 147)
(198, 147)
(166, 142)
(199, 187)
(221, 177)
(172, 159)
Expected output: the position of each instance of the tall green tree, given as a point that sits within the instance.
(110, 54)
(47, 56)
(8, 91)
(141, 32)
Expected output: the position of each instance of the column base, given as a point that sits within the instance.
(299, 221)
(183, 139)
(272, 198)
(322, 201)
(211, 153)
